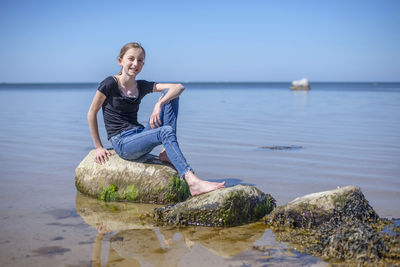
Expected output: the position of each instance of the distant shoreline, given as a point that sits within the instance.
(316, 86)
(207, 82)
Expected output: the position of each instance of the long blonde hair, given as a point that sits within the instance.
(127, 47)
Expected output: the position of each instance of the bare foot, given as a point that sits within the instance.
(198, 186)
(163, 157)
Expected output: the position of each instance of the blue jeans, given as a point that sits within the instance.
(138, 141)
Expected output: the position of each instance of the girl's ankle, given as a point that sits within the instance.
(190, 177)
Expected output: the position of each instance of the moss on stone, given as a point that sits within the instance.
(177, 190)
(236, 210)
(131, 193)
(79, 186)
(262, 209)
(110, 193)
(240, 209)
(218, 208)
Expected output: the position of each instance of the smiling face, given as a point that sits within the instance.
(132, 61)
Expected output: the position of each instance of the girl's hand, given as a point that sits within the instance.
(155, 120)
(101, 229)
(101, 155)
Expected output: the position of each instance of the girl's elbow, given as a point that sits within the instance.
(91, 114)
(180, 87)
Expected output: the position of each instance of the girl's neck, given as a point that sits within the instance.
(126, 81)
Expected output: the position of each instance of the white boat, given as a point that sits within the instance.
(302, 84)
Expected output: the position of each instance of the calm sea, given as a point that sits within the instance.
(286, 143)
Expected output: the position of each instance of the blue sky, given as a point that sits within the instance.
(78, 41)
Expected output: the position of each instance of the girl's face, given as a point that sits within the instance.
(132, 62)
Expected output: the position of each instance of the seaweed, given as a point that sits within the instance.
(110, 193)
(131, 193)
(177, 190)
(261, 209)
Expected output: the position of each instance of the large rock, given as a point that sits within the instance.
(146, 180)
(338, 225)
(223, 207)
(314, 209)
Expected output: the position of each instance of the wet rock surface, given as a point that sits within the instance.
(314, 209)
(229, 206)
(146, 180)
(338, 225)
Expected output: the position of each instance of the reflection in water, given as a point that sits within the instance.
(300, 98)
(114, 216)
(135, 241)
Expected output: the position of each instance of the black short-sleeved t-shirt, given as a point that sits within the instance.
(119, 110)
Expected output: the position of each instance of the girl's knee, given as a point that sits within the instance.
(175, 100)
(167, 133)
(167, 130)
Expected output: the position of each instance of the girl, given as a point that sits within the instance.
(120, 96)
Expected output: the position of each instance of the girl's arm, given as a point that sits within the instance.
(101, 153)
(175, 89)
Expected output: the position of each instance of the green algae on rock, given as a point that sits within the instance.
(229, 206)
(110, 193)
(146, 180)
(177, 190)
(338, 225)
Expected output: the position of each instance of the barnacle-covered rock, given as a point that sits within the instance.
(314, 209)
(146, 180)
(338, 225)
(223, 207)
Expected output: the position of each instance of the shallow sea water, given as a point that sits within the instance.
(342, 134)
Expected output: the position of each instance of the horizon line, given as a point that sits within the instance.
(199, 82)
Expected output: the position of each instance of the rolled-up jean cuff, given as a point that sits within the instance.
(183, 173)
